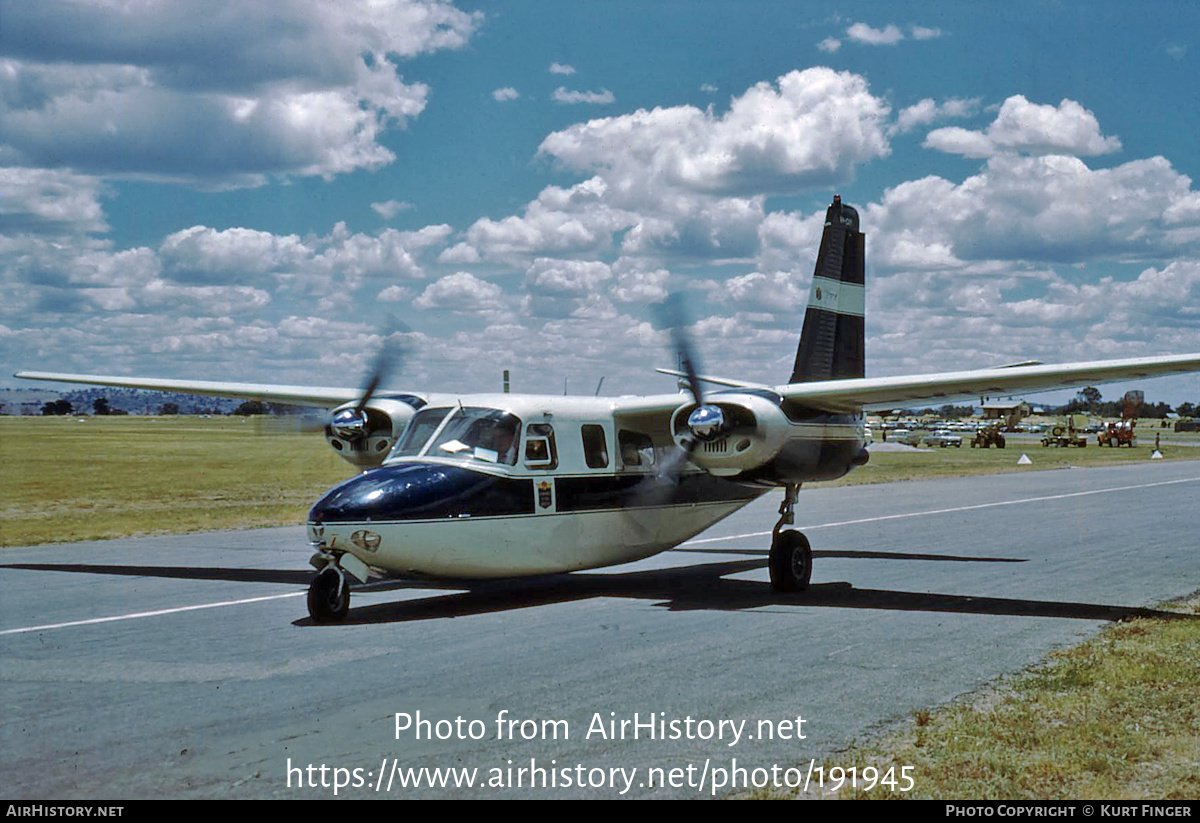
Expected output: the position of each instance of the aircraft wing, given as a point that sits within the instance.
(292, 395)
(881, 393)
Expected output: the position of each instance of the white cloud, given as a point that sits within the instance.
(928, 110)
(150, 102)
(708, 88)
(50, 201)
(1049, 208)
(461, 292)
(505, 94)
(393, 294)
(809, 128)
(923, 33)
(561, 68)
(566, 278)
(389, 209)
(602, 97)
(829, 45)
(1029, 128)
(887, 36)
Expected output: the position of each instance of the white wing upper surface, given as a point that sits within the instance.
(878, 393)
(883, 393)
(294, 395)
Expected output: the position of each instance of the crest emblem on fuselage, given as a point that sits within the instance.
(544, 494)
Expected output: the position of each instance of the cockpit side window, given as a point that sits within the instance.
(637, 449)
(540, 451)
(595, 447)
(423, 424)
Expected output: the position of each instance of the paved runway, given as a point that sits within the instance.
(186, 667)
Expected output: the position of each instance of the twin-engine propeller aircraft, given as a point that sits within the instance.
(504, 485)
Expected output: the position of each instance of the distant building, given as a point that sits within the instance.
(1000, 409)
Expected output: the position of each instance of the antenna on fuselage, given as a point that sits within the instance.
(506, 381)
(598, 385)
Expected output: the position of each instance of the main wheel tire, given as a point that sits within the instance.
(791, 562)
(328, 596)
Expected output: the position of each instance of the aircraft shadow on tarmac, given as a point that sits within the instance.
(705, 586)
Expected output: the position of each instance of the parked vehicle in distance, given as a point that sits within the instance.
(905, 436)
(1118, 433)
(987, 437)
(943, 438)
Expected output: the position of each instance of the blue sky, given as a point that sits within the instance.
(246, 191)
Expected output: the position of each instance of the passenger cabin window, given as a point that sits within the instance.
(540, 452)
(637, 449)
(595, 447)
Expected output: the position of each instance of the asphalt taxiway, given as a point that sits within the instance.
(185, 666)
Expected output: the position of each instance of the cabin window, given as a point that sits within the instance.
(540, 452)
(637, 449)
(595, 447)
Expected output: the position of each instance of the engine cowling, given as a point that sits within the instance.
(752, 431)
(364, 437)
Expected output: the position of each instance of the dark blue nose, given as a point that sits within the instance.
(422, 491)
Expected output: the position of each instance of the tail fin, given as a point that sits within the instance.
(832, 341)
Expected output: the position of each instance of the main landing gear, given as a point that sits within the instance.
(329, 595)
(791, 556)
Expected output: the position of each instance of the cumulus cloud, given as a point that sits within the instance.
(602, 97)
(389, 209)
(461, 292)
(810, 127)
(887, 36)
(829, 45)
(1029, 128)
(928, 110)
(561, 68)
(1044, 208)
(115, 93)
(50, 201)
(505, 94)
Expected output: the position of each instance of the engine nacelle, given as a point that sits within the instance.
(755, 429)
(365, 438)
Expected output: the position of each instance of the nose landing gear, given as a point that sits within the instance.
(791, 556)
(329, 595)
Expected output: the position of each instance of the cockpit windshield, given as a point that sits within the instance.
(484, 434)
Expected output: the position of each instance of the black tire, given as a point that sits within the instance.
(791, 562)
(328, 596)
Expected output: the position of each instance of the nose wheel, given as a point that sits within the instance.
(791, 556)
(329, 595)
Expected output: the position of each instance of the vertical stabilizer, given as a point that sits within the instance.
(832, 341)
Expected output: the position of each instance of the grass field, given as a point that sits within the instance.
(1116, 717)
(65, 480)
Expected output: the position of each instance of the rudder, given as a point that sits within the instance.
(833, 337)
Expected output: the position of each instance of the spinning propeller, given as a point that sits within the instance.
(353, 424)
(706, 422)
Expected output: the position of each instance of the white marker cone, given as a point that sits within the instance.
(1157, 455)
(1024, 461)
